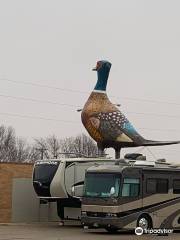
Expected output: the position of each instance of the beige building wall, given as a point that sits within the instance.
(8, 172)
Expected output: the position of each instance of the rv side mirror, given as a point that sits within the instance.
(112, 191)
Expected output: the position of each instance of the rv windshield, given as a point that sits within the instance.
(45, 171)
(102, 185)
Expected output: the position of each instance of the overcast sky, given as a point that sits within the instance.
(56, 43)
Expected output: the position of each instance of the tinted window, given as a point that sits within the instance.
(176, 186)
(162, 185)
(45, 171)
(101, 185)
(157, 185)
(131, 187)
(151, 186)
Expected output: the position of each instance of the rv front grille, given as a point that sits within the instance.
(96, 214)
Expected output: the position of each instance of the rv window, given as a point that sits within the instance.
(131, 187)
(176, 186)
(151, 186)
(157, 185)
(44, 172)
(162, 186)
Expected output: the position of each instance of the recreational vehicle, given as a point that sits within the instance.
(62, 180)
(132, 194)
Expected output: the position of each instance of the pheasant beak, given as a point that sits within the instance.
(97, 67)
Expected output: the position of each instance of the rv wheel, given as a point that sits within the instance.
(144, 222)
(111, 229)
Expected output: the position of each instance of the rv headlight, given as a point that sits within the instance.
(83, 213)
(111, 215)
(114, 215)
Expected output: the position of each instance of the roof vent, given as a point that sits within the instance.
(135, 156)
(121, 161)
(162, 160)
(174, 166)
(144, 163)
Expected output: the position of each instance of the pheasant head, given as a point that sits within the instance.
(103, 68)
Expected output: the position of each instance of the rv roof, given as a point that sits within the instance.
(124, 163)
(118, 169)
(106, 168)
(120, 163)
(76, 160)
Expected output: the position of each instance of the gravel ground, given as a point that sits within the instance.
(68, 232)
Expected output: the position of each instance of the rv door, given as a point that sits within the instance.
(80, 169)
(69, 178)
(74, 178)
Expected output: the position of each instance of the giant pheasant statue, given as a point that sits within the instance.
(105, 123)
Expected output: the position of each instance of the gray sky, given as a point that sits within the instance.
(56, 43)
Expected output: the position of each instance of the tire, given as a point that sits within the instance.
(111, 229)
(144, 221)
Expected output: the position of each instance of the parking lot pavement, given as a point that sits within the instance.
(67, 232)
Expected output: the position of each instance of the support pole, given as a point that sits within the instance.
(100, 150)
(117, 153)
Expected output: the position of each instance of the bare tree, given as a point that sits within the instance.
(79, 145)
(53, 146)
(13, 149)
(7, 144)
(41, 147)
(48, 147)
(24, 151)
(33, 154)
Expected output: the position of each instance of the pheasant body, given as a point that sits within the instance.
(105, 123)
